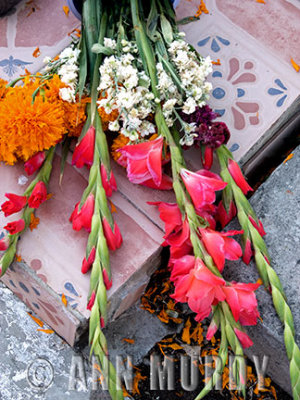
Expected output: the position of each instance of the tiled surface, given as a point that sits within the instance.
(55, 252)
(255, 83)
(46, 27)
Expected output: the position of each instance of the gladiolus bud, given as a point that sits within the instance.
(14, 204)
(259, 226)
(108, 185)
(113, 237)
(83, 218)
(208, 158)
(38, 195)
(243, 338)
(247, 252)
(212, 329)
(87, 263)
(238, 176)
(34, 163)
(107, 281)
(15, 226)
(84, 151)
(91, 301)
(4, 242)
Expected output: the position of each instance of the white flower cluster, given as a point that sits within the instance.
(68, 73)
(126, 89)
(193, 72)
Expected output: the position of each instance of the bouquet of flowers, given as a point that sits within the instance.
(133, 79)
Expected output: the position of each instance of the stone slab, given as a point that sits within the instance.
(21, 345)
(277, 204)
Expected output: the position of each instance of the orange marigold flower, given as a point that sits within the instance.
(119, 142)
(28, 128)
(52, 88)
(3, 88)
(107, 118)
(74, 117)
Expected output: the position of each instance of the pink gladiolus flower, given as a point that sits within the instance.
(38, 195)
(259, 227)
(91, 301)
(208, 212)
(238, 176)
(15, 226)
(220, 246)
(202, 186)
(212, 329)
(107, 281)
(177, 239)
(222, 215)
(108, 185)
(113, 237)
(144, 161)
(34, 163)
(242, 301)
(166, 183)
(178, 252)
(243, 338)
(247, 252)
(196, 285)
(170, 214)
(4, 242)
(14, 204)
(87, 263)
(83, 218)
(84, 151)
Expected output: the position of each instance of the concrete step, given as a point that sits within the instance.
(277, 204)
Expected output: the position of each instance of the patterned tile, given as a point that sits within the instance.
(252, 88)
(41, 24)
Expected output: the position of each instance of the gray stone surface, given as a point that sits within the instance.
(21, 345)
(277, 204)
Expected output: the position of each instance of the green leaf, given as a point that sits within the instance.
(99, 49)
(65, 151)
(82, 66)
(166, 28)
(151, 26)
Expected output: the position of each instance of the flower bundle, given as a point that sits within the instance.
(133, 77)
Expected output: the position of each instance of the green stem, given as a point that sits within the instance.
(266, 272)
(44, 176)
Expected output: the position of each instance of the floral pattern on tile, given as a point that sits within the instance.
(13, 66)
(216, 42)
(279, 91)
(243, 110)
